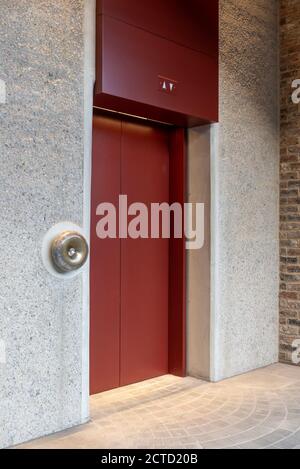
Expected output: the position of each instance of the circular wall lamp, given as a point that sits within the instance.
(69, 251)
(65, 250)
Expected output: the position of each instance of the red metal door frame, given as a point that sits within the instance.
(177, 261)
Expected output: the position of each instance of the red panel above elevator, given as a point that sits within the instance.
(158, 59)
(191, 23)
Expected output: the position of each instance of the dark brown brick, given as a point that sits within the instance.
(289, 181)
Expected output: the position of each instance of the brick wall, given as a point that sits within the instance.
(290, 181)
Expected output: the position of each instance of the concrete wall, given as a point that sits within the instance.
(46, 61)
(245, 180)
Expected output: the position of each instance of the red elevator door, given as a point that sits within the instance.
(129, 277)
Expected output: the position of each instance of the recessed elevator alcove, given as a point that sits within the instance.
(157, 75)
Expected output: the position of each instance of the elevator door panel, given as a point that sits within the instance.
(129, 277)
(144, 262)
(105, 261)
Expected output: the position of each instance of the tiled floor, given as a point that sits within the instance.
(256, 410)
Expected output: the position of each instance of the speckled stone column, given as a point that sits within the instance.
(245, 169)
(42, 174)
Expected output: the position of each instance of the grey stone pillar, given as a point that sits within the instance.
(46, 63)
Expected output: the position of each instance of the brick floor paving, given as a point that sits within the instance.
(257, 410)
